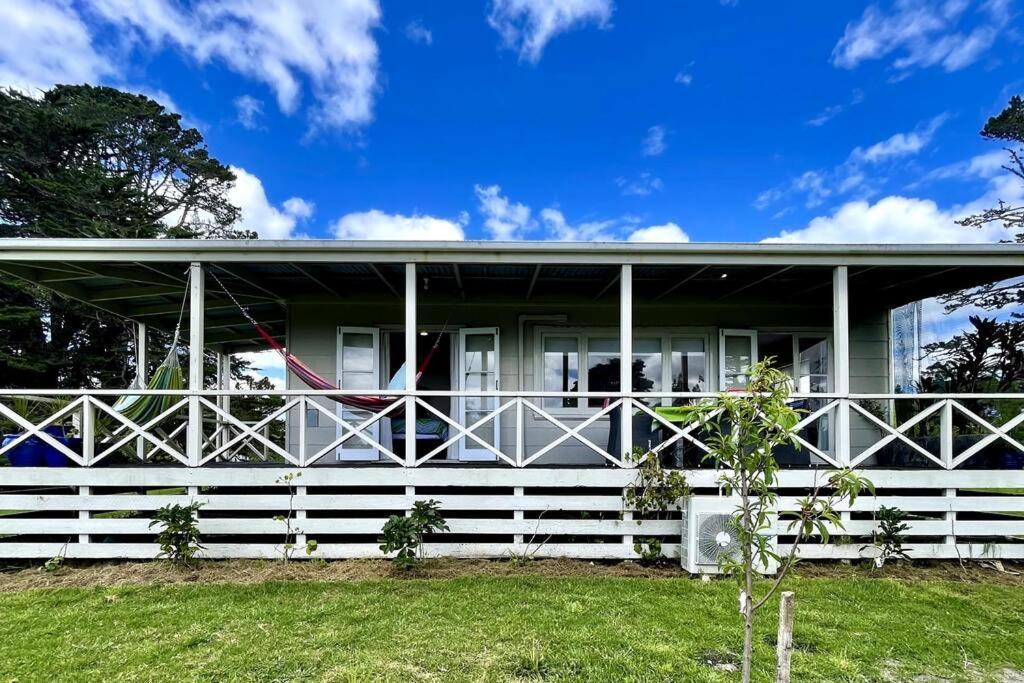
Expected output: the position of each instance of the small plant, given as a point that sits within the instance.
(179, 538)
(404, 534)
(529, 549)
(55, 563)
(311, 546)
(288, 547)
(649, 550)
(889, 536)
(654, 492)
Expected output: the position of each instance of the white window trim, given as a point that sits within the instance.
(581, 335)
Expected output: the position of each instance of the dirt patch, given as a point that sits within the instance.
(921, 570)
(108, 574)
(259, 571)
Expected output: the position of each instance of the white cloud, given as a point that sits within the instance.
(641, 186)
(669, 232)
(418, 33)
(299, 208)
(45, 43)
(268, 364)
(528, 25)
(683, 78)
(825, 115)
(986, 165)
(560, 229)
(852, 175)
(892, 219)
(654, 143)
(830, 112)
(258, 214)
(505, 220)
(900, 144)
(328, 46)
(922, 34)
(897, 219)
(249, 110)
(377, 225)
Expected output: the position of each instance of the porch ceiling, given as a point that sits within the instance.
(152, 291)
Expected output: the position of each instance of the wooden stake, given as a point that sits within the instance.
(784, 648)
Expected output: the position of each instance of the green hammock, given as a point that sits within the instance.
(140, 409)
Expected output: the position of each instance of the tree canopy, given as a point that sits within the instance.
(88, 161)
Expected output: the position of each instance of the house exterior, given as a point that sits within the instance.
(524, 415)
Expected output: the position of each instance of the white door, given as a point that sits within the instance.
(478, 371)
(358, 368)
(737, 351)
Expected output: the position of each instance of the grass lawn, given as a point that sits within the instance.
(334, 622)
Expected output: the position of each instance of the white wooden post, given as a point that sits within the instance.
(841, 347)
(626, 362)
(223, 402)
(784, 643)
(196, 318)
(83, 514)
(410, 364)
(626, 380)
(517, 539)
(520, 432)
(300, 516)
(142, 373)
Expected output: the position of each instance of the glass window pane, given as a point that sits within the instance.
(813, 356)
(689, 366)
(479, 353)
(358, 380)
(602, 367)
(357, 352)
(561, 370)
(737, 361)
(647, 364)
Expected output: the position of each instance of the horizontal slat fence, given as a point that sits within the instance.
(492, 511)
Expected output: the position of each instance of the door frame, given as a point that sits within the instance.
(465, 451)
(356, 454)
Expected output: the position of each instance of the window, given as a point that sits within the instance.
(602, 367)
(661, 362)
(561, 369)
(738, 353)
(689, 366)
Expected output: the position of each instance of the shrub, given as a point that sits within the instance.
(405, 534)
(179, 538)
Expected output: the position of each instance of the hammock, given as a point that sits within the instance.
(167, 376)
(311, 379)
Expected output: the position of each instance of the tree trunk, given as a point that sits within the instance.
(784, 646)
(748, 636)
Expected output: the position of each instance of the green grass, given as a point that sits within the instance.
(502, 628)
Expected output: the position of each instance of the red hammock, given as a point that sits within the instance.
(374, 404)
(314, 381)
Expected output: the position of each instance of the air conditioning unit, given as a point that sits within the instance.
(708, 534)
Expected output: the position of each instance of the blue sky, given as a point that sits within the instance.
(566, 119)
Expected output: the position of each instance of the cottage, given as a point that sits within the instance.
(488, 376)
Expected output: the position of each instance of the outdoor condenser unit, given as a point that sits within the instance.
(708, 534)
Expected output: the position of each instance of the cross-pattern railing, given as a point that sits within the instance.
(518, 429)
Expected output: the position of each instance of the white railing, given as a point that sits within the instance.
(946, 431)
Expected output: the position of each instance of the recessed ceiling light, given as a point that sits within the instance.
(725, 275)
